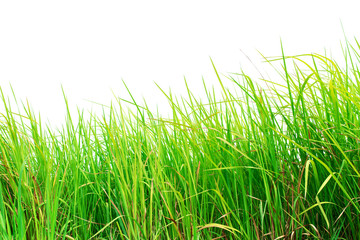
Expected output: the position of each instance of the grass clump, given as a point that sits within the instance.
(280, 162)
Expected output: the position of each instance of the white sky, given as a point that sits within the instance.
(89, 46)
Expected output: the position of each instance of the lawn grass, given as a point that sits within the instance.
(280, 162)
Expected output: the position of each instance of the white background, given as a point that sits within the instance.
(88, 47)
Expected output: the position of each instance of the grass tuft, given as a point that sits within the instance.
(281, 162)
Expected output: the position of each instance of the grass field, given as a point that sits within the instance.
(274, 162)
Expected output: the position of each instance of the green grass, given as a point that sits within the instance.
(280, 162)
